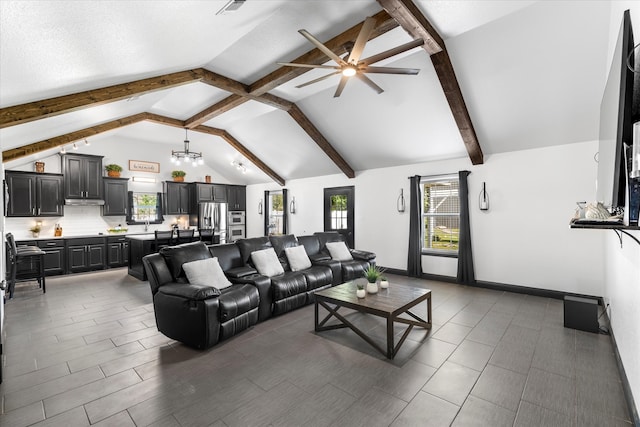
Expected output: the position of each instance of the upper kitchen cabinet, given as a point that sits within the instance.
(176, 197)
(82, 176)
(237, 197)
(115, 196)
(209, 192)
(34, 194)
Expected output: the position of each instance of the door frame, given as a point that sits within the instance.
(349, 232)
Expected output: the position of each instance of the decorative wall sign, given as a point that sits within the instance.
(141, 166)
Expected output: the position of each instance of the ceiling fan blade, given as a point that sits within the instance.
(294, 64)
(391, 70)
(392, 52)
(361, 40)
(317, 80)
(322, 47)
(341, 85)
(369, 83)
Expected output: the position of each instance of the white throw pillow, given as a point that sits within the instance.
(339, 251)
(206, 272)
(298, 258)
(266, 262)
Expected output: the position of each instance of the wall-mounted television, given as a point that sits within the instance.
(616, 123)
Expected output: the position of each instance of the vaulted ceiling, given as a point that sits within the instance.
(138, 72)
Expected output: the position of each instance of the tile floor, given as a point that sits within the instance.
(88, 352)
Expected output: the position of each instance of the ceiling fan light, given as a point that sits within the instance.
(349, 71)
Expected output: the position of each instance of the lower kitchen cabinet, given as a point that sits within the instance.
(85, 254)
(54, 256)
(117, 251)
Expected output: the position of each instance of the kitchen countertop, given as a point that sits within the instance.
(150, 235)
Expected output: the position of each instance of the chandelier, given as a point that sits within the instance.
(188, 156)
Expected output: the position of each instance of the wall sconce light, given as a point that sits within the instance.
(292, 205)
(260, 207)
(143, 179)
(400, 202)
(483, 200)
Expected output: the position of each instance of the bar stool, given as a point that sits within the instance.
(25, 263)
(163, 238)
(206, 235)
(185, 236)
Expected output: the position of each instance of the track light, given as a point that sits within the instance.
(75, 147)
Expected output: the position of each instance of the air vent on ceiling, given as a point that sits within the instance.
(230, 7)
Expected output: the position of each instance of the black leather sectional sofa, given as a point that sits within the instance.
(200, 315)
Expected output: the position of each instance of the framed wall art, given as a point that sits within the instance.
(142, 166)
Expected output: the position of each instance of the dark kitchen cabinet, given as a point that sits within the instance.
(177, 197)
(85, 254)
(209, 192)
(117, 251)
(237, 197)
(115, 196)
(82, 176)
(54, 258)
(34, 194)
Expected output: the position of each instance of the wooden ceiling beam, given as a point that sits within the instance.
(36, 147)
(242, 150)
(417, 25)
(384, 23)
(227, 104)
(304, 122)
(24, 113)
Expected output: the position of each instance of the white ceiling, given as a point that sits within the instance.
(531, 72)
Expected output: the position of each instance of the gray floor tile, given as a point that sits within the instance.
(500, 386)
(472, 355)
(375, 408)
(513, 356)
(530, 415)
(452, 382)
(75, 417)
(426, 410)
(434, 352)
(320, 409)
(478, 412)
(452, 333)
(551, 391)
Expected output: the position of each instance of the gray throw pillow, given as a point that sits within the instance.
(298, 258)
(339, 251)
(206, 272)
(266, 262)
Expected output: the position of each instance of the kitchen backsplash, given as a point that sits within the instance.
(82, 221)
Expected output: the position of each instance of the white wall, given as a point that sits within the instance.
(524, 239)
(622, 264)
(83, 220)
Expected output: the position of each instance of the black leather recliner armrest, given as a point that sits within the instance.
(319, 257)
(239, 272)
(363, 255)
(190, 291)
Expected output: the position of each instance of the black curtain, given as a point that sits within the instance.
(265, 210)
(414, 260)
(285, 216)
(466, 274)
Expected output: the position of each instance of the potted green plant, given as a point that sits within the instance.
(178, 176)
(384, 282)
(113, 170)
(372, 273)
(360, 293)
(35, 230)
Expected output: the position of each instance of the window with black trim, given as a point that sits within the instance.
(144, 208)
(440, 214)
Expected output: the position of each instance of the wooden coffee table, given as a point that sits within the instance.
(388, 303)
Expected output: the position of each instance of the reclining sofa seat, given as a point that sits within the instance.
(291, 289)
(343, 271)
(196, 315)
(234, 267)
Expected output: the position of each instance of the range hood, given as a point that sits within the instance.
(83, 202)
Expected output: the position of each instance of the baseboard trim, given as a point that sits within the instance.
(626, 387)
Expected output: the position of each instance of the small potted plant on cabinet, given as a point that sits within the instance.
(178, 176)
(113, 170)
(35, 231)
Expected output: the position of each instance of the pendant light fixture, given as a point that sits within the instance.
(188, 156)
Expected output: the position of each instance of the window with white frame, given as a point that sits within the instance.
(440, 214)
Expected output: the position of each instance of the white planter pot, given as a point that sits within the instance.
(384, 284)
(372, 288)
(360, 293)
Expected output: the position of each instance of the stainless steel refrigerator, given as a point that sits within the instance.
(213, 215)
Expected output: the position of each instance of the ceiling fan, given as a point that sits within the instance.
(351, 65)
